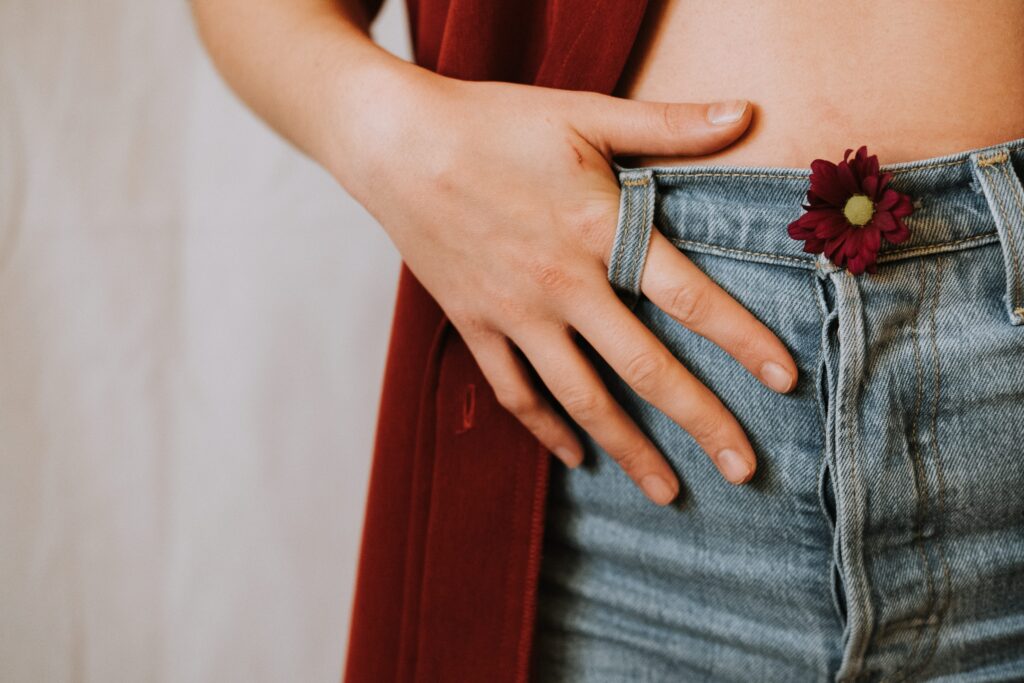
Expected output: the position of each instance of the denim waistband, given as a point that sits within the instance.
(961, 200)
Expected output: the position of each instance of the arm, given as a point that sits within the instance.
(502, 201)
(306, 67)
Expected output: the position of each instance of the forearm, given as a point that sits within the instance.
(307, 67)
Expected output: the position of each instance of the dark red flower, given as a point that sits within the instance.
(849, 210)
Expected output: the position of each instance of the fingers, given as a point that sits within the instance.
(574, 382)
(620, 126)
(643, 362)
(677, 286)
(515, 390)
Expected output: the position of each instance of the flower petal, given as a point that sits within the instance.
(872, 236)
(825, 183)
(833, 223)
(901, 233)
(871, 167)
(803, 227)
(892, 228)
(870, 185)
(856, 264)
(824, 227)
(904, 207)
(813, 245)
(833, 245)
(883, 179)
(847, 180)
(889, 199)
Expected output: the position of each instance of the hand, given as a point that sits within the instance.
(501, 200)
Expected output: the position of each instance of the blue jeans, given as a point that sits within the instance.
(882, 537)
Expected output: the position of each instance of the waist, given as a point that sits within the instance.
(743, 211)
(911, 80)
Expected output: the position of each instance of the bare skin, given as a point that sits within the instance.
(512, 233)
(911, 79)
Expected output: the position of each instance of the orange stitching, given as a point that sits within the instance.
(893, 254)
(645, 227)
(882, 256)
(627, 211)
(681, 242)
(997, 158)
(795, 175)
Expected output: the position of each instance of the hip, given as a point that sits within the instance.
(883, 533)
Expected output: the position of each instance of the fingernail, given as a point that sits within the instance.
(735, 468)
(776, 376)
(657, 489)
(728, 111)
(568, 457)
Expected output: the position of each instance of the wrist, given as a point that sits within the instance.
(371, 112)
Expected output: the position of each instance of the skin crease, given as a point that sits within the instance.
(912, 79)
(501, 200)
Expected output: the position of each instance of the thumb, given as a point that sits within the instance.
(634, 127)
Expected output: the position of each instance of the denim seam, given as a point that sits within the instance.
(787, 175)
(926, 249)
(1013, 285)
(643, 247)
(821, 346)
(683, 242)
(831, 567)
(921, 503)
(943, 607)
(892, 255)
(632, 289)
(622, 240)
(1015, 190)
(918, 197)
(1009, 238)
(859, 593)
(994, 158)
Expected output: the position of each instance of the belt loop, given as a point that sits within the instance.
(1001, 185)
(632, 232)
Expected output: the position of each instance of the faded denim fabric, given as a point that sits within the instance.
(882, 537)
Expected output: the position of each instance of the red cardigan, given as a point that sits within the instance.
(450, 554)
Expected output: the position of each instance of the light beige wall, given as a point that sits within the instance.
(193, 324)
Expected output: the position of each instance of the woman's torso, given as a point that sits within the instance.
(911, 80)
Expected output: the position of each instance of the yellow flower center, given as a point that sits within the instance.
(859, 209)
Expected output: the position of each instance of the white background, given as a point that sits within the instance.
(193, 326)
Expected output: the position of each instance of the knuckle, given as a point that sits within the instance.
(644, 372)
(631, 457)
(442, 171)
(748, 345)
(537, 421)
(673, 119)
(584, 405)
(521, 402)
(589, 224)
(551, 276)
(469, 325)
(707, 426)
(689, 304)
(594, 225)
(513, 310)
